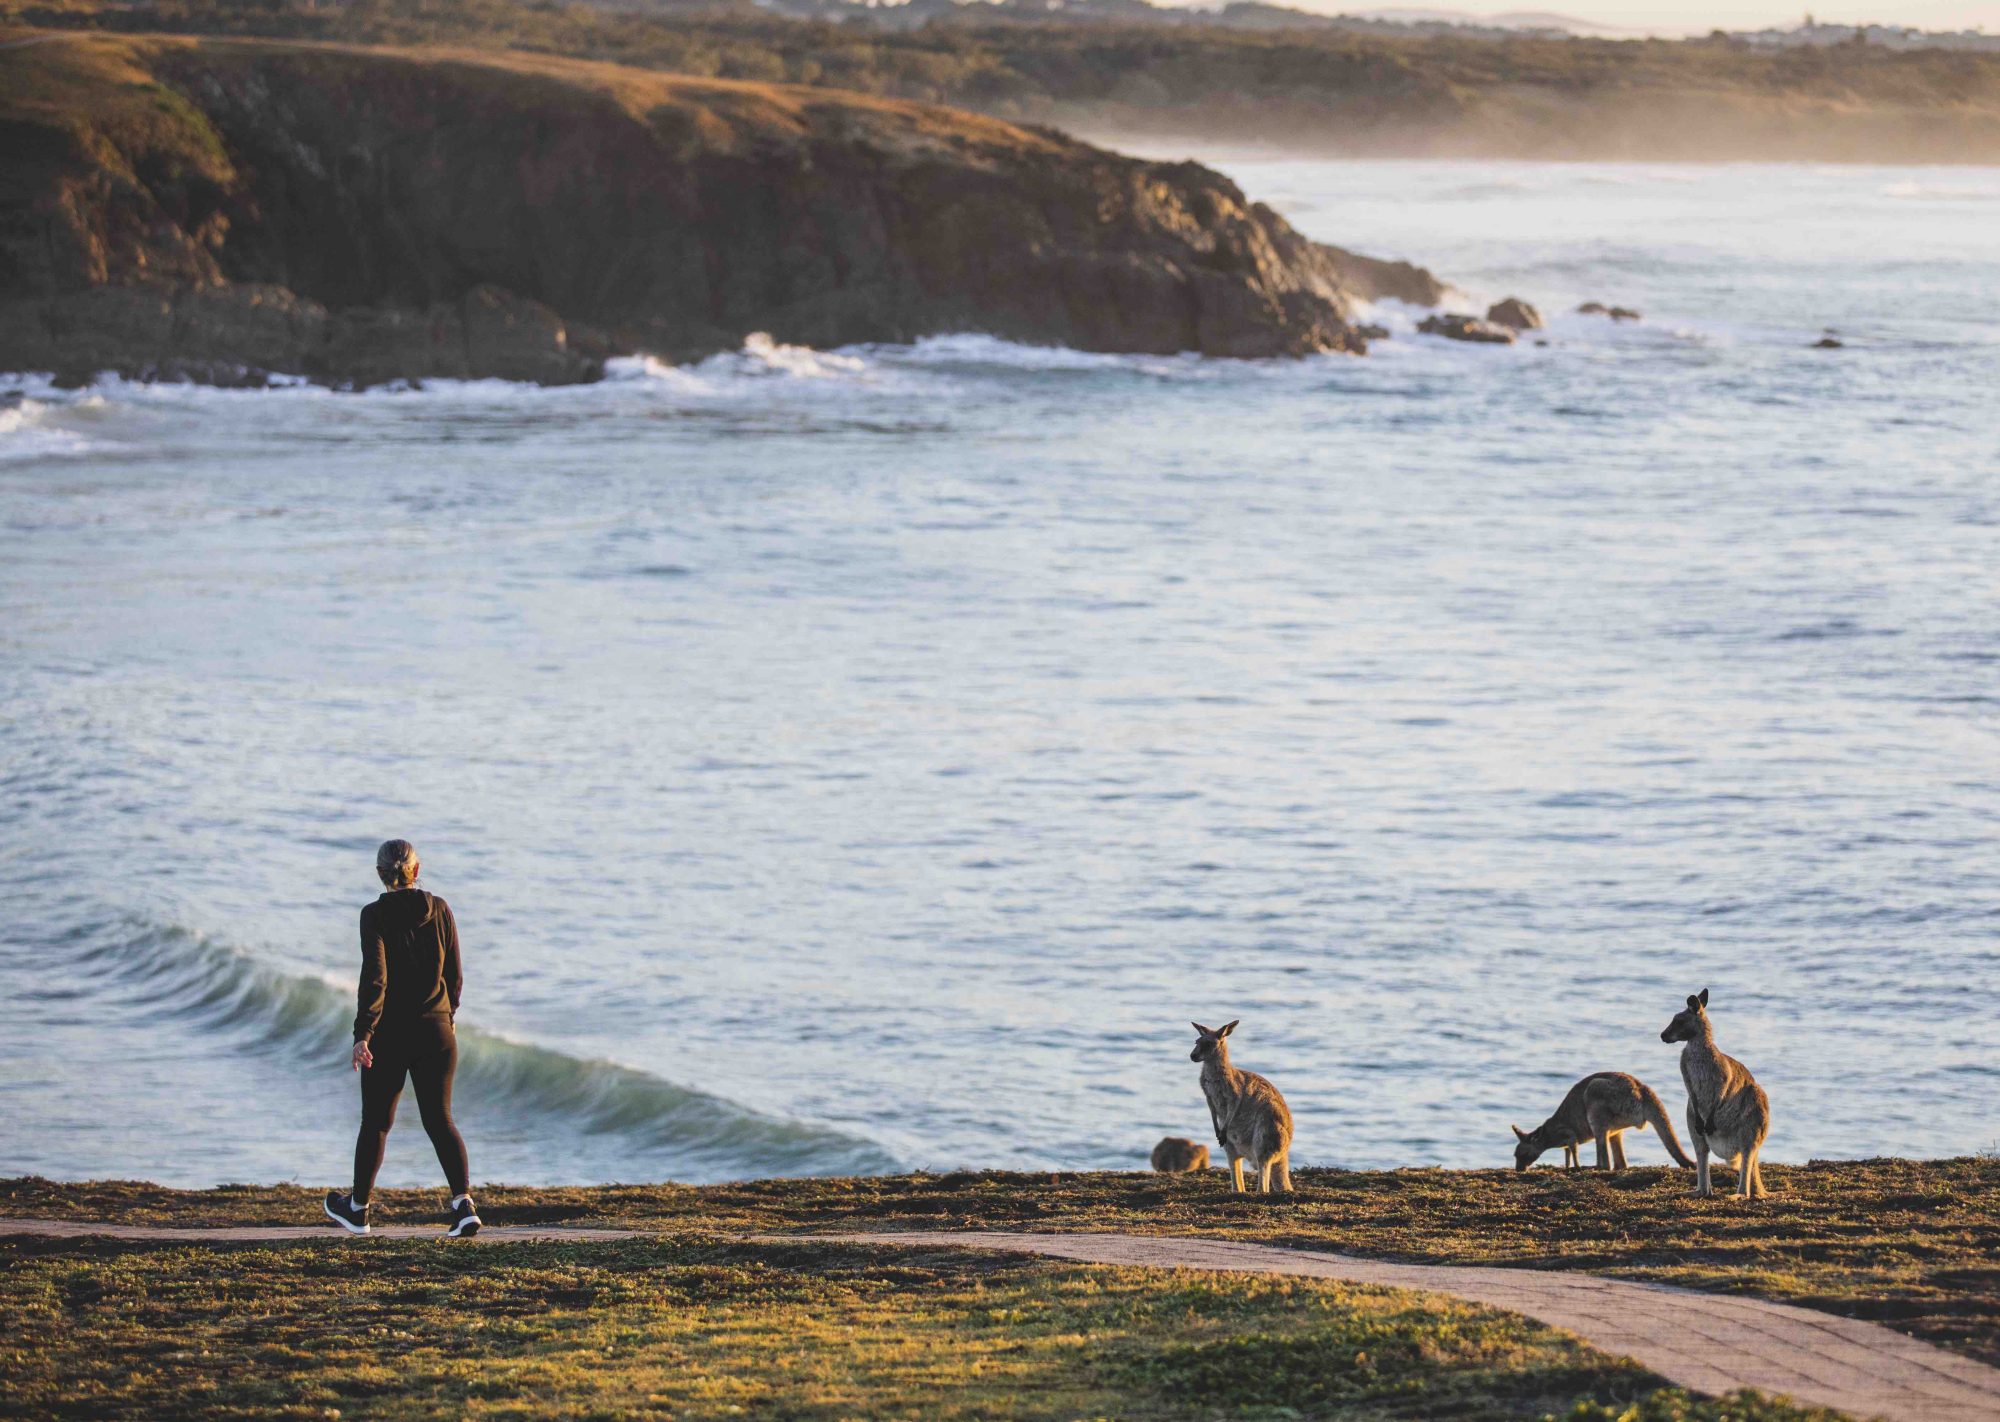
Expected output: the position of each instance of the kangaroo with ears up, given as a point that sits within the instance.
(1251, 1119)
(1728, 1112)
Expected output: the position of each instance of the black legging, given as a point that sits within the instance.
(428, 1054)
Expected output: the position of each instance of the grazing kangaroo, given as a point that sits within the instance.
(1728, 1112)
(1177, 1155)
(1601, 1108)
(1251, 1119)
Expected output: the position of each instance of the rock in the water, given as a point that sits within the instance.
(366, 215)
(1593, 308)
(1466, 328)
(1372, 333)
(1829, 343)
(1622, 313)
(1515, 314)
(1177, 1155)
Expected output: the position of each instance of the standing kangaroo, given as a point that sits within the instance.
(1728, 1112)
(1602, 1108)
(1251, 1119)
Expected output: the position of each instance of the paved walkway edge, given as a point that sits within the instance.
(1710, 1343)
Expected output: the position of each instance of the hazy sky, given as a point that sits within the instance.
(1704, 15)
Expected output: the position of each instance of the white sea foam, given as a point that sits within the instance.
(763, 356)
(761, 367)
(28, 431)
(1943, 192)
(645, 367)
(21, 416)
(974, 349)
(114, 387)
(760, 357)
(763, 374)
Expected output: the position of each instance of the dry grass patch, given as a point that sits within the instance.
(1912, 1244)
(697, 1328)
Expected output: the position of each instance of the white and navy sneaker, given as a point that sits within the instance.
(464, 1218)
(342, 1210)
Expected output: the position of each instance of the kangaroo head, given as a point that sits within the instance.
(1528, 1147)
(1208, 1039)
(1687, 1023)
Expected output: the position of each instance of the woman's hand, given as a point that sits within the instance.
(362, 1057)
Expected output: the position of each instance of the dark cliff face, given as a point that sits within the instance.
(363, 215)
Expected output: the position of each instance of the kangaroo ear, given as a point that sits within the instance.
(1228, 1028)
(1201, 1029)
(1519, 1134)
(1694, 1003)
(1704, 997)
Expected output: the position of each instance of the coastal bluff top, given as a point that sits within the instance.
(223, 209)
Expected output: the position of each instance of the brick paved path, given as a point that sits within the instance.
(1712, 1343)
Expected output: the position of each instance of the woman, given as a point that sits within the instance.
(410, 985)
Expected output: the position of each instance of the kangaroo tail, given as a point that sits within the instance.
(1657, 1118)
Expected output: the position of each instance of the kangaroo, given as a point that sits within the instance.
(1177, 1155)
(1602, 1108)
(1251, 1119)
(1728, 1112)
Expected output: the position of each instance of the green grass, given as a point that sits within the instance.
(696, 1328)
(1913, 1244)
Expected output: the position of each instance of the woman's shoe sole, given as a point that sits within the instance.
(344, 1224)
(463, 1231)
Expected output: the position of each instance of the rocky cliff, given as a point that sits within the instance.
(192, 207)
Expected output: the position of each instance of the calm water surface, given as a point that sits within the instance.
(872, 759)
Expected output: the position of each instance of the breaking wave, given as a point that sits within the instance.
(187, 982)
(26, 434)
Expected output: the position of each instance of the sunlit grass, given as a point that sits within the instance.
(694, 1328)
(1910, 1243)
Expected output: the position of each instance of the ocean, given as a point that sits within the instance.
(861, 760)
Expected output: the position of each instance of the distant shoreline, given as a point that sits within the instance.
(1166, 141)
(1318, 90)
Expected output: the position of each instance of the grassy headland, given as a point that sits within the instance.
(1912, 1244)
(228, 209)
(1313, 89)
(691, 1327)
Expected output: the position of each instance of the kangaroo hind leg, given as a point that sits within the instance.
(1617, 1139)
(1236, 1172)
(1752, 1177)
(1698, 1141)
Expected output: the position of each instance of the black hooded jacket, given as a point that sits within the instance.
(409, 963)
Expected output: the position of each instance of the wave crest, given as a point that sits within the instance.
(184, 980)
(26, 434)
